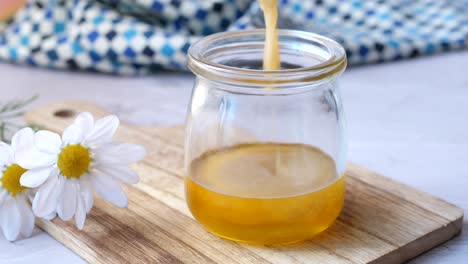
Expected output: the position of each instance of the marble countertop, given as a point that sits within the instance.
(407, 120)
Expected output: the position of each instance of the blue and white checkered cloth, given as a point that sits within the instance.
(143, 36)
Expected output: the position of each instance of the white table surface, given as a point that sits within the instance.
(407, 120)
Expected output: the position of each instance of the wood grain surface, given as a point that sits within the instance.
(383, 221)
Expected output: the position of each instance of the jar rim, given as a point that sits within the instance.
(326, 69)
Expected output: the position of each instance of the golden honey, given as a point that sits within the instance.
(271, 55)
(265, 193)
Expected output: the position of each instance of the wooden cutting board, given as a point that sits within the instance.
(383, 221)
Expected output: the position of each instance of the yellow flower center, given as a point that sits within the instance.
(74, 161)
(11, 179)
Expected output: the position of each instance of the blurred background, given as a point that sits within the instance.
(144, 36)
(405, 92)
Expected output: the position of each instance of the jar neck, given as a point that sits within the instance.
(235, 58)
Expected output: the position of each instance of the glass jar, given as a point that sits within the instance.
(265, 151)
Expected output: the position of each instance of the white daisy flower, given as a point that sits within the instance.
(68, 170)
(16, 216)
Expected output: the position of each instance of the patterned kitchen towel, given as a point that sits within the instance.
(142, 36)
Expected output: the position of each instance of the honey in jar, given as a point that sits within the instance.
(265, 193)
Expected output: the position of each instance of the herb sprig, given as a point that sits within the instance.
(10, 111)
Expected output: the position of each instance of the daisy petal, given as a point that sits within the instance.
(119, 153)
(25, 152)
(76, 132)
(23, 138)
(48, 142)
(103, 131)
(3, 195)
(120, 172)
(27, 217)
(33, 159)
(46, 199)
(11, 219)
(67, 203)
(36, 177)
(85, 121)
(80, 215)
(87, 192)
(6, 155)
(108, 189)
(50, 216)
(72, 134)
